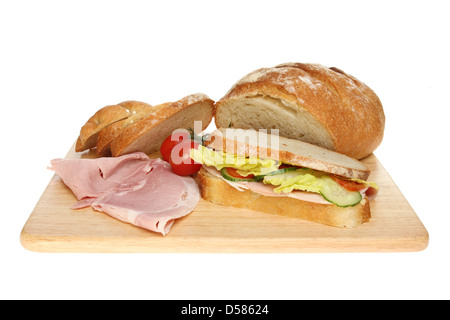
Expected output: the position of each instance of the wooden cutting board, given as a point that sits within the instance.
(54, 227)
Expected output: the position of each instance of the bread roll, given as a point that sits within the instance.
(309, 102)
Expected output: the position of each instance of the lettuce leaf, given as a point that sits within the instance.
(244, 165)
(303, 179)
(300, 179)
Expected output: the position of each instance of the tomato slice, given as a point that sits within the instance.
(349, 185)
(233, 172)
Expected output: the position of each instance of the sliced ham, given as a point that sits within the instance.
(132, 188)
(370, 192)
(267, 190)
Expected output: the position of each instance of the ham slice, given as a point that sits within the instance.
(132, 188)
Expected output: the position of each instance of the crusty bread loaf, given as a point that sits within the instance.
(250, 142)
(148, 133)
(108, 134)
(216, 190)
(309, 102)
(103, 118)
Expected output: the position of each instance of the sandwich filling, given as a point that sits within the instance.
(274, 178)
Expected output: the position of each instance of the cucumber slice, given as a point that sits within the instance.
(335, 193)
(229, 177)
(279, 171)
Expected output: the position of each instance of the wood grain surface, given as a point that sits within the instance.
(210, 228)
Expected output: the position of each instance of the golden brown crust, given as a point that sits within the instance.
(135, 137)
(134, 106)
(347, 108)
(103, 118)
(108, 134)
(219, 192)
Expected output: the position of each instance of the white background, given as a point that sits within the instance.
(63, 60)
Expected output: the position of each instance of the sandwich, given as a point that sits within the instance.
(269, 173)
(326, 120)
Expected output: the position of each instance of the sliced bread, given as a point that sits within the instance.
(193, 111)
(107, 135)
(103, 118)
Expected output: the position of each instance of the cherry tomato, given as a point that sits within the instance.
(171, 141)
(181, 161)
(349, 185)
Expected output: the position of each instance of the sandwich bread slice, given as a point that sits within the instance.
(267, 173)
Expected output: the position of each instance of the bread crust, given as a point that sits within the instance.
(219, 192)
(135, 137)
(103, 118)
(111, 132)
(348, 109)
